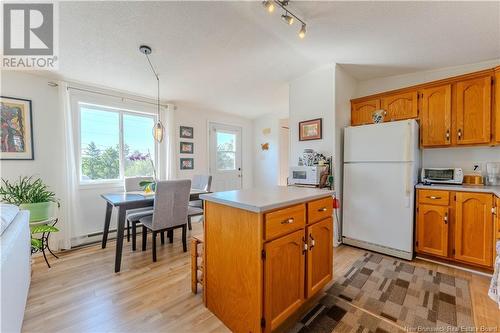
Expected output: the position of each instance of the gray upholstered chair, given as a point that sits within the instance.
(170, 212)
(200, 182)
(132, 184)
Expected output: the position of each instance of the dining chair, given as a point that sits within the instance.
(203, 183)
(133, 184)
(170, 212)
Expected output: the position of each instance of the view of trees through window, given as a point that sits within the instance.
(100, 144)
(226, 151)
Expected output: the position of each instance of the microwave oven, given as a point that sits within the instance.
(305, 175)
(442, 175)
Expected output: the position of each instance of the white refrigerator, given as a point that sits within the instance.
(381, 164)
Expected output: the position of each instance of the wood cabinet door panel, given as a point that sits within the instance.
(497, 105)
(497, 216)
(361, 112)
(401, 106)
(473, 111)
(435, 116)
(319, 255)
(283, 221)
(284, 272)
(432, 229)
(434, 197)
(474, 228)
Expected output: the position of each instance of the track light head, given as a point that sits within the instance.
(269, 4)
(302, 32)
(288, 19)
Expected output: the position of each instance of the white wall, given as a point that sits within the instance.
(447, 157)
(266, 162)
(187, 115)
(284, 150)
(312, 96)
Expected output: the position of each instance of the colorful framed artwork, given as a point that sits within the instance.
(186, 132)
(187, 163)
(311, 129)
(16, 131)
(187, 147)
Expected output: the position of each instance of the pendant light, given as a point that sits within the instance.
(158, 128)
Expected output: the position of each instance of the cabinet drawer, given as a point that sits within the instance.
(434, 197)
(285, 220)
(318, 210)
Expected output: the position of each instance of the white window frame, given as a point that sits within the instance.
(108, 107)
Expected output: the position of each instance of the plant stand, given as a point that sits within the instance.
(45, 239)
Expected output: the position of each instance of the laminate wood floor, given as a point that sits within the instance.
(81, 292)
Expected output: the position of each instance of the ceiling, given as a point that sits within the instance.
(235, 57)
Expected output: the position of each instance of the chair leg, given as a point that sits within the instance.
(154, 246)
(162, 237)
(128, 231)
(189, 223)
(144, 237)
(170, 234)
(184, 244)
(134, 235)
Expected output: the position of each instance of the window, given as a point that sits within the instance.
(115, 143)
(226, 151)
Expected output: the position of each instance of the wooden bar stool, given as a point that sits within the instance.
(196, 263)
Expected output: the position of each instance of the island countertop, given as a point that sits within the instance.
(263, 199)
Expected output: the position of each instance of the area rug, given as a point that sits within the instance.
(334, 315)
(379, 291)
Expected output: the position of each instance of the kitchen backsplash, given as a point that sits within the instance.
(464, 158)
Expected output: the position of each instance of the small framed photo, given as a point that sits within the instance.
(311, 130)
(16, 129)
(187, 163)
(186, 132)
(187, 147)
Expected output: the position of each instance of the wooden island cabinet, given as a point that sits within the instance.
(266, 253)
(457, 223)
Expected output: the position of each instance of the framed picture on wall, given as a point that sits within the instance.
(187, 147)
(187, 163)
(16, 129)
(311, 130)
(186, 132)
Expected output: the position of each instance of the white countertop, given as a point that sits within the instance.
(464, 188)
(266, 198)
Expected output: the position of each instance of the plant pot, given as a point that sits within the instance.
(38, 211)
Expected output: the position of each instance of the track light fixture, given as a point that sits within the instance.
(288, 16)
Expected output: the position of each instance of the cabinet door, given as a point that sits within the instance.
(474, 228)
(473, 111)
(435, 116)
(361, 112)
(319, 255)
(497, 215)
(497, 105)
(432, 230)
(400, 106)
(284, 271)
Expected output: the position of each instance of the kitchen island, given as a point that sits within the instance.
(267, 251)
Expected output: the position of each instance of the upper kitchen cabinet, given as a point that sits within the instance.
(497, 105)
(473, 111)
(361, 112)
(400, 106)
(435, 116)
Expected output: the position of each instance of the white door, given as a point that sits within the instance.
(225, 157)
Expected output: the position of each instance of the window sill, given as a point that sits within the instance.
(101, 185)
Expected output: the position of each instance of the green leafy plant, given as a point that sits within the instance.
(26, 190)
(148, 185)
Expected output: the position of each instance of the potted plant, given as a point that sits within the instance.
(31, 194)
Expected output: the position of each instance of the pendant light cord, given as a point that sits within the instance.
(157, 81)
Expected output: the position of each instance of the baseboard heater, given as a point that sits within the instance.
(378, 248)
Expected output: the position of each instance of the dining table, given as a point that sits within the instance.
(125, 201)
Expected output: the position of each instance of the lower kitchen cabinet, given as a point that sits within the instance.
(474, 228)
(432, 237)
(284, 269)
(319, 255)
(461, 229)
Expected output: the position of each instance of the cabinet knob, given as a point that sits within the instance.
(459, 134)
(445, 218)
(448, 135)
(322, 209)
(288, 221)
(312, 243)
(433, 197)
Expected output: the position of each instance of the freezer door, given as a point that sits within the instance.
(386, 142)
(378, 204)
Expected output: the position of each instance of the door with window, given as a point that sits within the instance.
(225, 157)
